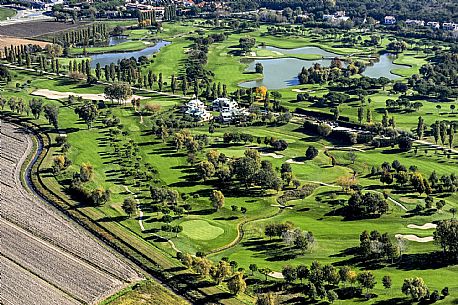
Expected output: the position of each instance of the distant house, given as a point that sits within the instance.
(412, 22)
(450, 26)
(390, 20)
(336, 18)
(433, 24)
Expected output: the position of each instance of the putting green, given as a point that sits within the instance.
(200, 230)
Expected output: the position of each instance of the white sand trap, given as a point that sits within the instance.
(273, 155)
(292, 161)
(415, 238)
(278, 53)
(253, 54)
(299, 90)
(280, 206)
(276, 275)
(426, 226)
(56, 95)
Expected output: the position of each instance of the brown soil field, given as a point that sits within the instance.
(35, 28)
(38, 241)
(7, 41)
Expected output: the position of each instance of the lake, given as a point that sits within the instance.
(108, 58)
(282, 72)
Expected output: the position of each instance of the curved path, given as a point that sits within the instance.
(140, 220)
(50, 258)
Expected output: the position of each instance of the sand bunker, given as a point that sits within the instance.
(415, 238)
(426, 226)
(292, 161)
(276, 275)
(273, 155)
(56, 95)
(281, 206)
(299, 90)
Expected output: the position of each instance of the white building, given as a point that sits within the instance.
(390, 20)
(413, 22)
(224, 104)
(433, 24)
(229, 110)
(450, 26)
(196, 109)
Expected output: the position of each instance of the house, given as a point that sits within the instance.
(450, 26)
(196, 109)
(336, 18)
(229, 110)
(224, 104)
(433, 24)
(390, 20)
(412, 22)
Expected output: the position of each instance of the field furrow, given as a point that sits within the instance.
(21, 287)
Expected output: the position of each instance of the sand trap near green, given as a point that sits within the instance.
(200, 230)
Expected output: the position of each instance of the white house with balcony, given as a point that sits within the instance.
(389, 20)
(197, 109)
(413, 22)
(450, 26)
(433, 24)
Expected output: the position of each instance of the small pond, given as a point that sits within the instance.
(108, 58)
(383, 67)
(114, 40)
(282, 72)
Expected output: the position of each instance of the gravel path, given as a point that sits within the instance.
(40, 239)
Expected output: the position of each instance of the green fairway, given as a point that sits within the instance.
(171, 163)
(200, 230)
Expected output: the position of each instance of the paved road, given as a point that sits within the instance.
(26, 16)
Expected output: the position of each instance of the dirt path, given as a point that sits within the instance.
(432, 145)
(140, 220)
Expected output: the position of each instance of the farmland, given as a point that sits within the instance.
(42, 241)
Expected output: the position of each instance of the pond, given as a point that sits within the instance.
(383, 67)
(108, 58)
(280, 73)
(114, 40)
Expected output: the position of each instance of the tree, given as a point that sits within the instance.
(247, 43)
(420, 127)
(289, 273)
(5, 74)
(367, 280)
(52, 114)
(266, 299)
(404, 143)
(360, 114)
(265, 271)
(344, 274)
(446, 236)
(324, 129)
(311, 153)
(217, 199)
(236, 284)
(415, 287)
(129, 206)
(86, 172)
(36, 107)
(386, 281)
(302, 272)
(118, 91)
(259, 68)
(332, 296)
(205, 170)
(253, 268)
(87, 112)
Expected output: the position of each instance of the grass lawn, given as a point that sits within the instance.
(147, 292)
(6, 13)
(200, 230)
(122, 47)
